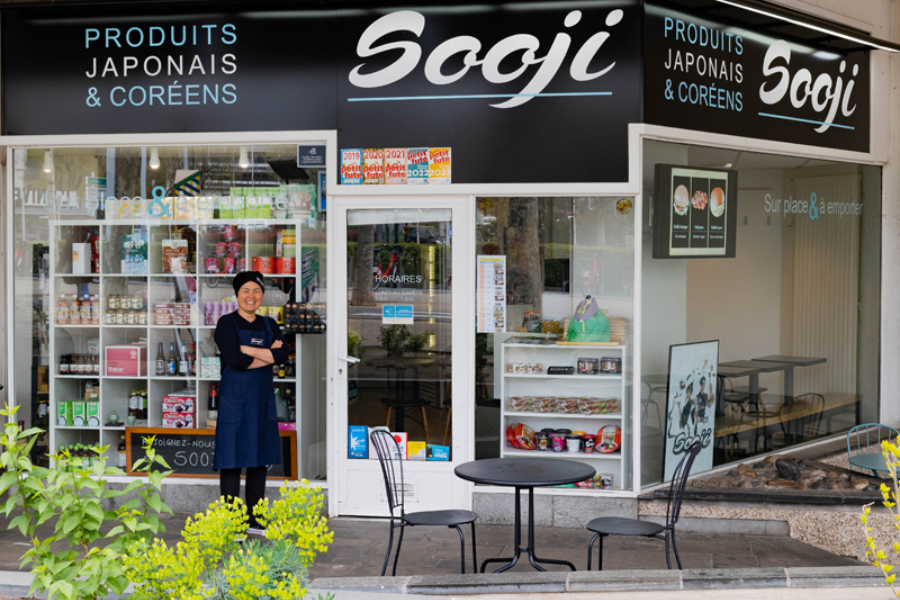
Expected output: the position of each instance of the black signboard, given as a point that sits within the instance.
(190, 453)
(538, 93)
(708, 71)
(694, 212)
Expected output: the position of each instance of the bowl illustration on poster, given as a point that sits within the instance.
(717, 202)
(682, 200)
(623, 205)
(700, 200)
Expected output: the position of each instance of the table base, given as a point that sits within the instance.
(529, 549)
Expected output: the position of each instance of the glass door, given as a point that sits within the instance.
(397, 369)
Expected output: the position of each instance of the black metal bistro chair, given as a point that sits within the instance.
(605, 526)
(386, 448)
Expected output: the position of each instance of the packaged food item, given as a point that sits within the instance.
(78, 414)
(230, 233)
(610, 364)
(545, 404)
(230, 265)
(179, 404)
(588, 366)
(435, 452)
(175, 255)
(521, 403)
(285, 265)
(589, 406)
(568, 406)
(264, 264)
(557, 442)
(521, 436)
(608, 439)
(178, 420)
(543, 440)
(610, 406)
(573, 443)
(415, 450)
(212, 265)
(587, 443)
(221, 250)
(235, 249)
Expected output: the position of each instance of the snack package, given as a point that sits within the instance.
(521, 436)
(609, 439)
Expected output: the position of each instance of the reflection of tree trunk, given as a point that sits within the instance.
(363, 294)
(524, 225)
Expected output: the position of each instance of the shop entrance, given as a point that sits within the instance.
(396, 365)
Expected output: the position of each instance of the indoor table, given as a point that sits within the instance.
(760, 367)
(524, 474)
(791, 362)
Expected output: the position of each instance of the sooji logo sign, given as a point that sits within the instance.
(709, 76)
(450, 61)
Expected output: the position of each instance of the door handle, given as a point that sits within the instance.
(349, 359)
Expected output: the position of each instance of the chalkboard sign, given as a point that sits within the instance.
(190, 452)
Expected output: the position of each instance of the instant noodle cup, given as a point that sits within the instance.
(608, 439)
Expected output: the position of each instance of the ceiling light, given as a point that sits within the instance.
(244, 160)
(48, 161)
(728, 165)
(859, 39)
(154, 158)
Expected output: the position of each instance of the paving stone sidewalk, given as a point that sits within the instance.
(359, 547)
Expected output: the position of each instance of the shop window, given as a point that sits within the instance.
(124, 260)
(803, 287)
(539, 260)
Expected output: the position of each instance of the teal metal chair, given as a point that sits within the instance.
(863, 436)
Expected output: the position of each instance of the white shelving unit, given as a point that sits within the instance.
(198, 288)
(604, 385)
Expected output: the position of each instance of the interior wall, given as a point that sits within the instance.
(738, 300)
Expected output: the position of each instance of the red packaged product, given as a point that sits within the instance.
(521, 436)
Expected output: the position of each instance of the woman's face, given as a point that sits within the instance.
(250, 297)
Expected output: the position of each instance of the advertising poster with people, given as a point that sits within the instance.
(691, 404)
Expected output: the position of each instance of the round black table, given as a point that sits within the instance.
(525, 474)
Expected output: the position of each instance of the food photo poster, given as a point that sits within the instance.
(691, 404)
(695, 212)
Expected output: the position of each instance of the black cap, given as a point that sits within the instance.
(247, 276)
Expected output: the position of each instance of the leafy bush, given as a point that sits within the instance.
(211, 562)
(398, 340)
(72, 494)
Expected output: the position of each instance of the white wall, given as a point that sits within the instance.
(738, 300)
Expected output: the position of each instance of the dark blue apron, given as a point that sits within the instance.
(247, 428)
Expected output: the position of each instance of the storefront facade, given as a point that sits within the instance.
(216, 143)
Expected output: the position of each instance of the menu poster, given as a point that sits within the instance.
(352, 166)
(417, 166)
(694, 213)
(491, 273)
(373, 166)
(395, 166)
(439, 165)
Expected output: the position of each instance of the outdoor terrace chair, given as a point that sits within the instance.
(863, 436)
(386, 448)
(605, 526)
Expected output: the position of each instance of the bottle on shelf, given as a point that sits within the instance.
(212, 407)
(173, 361)
(145, 404)
(183, 362)
(160, 361)
(74, 311)
(95, 309)
(123, 461)
(86, 310)
(62, 310)
(282, 371)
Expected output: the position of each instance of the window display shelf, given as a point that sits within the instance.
(546, 376)
(77, 376)
(606, 386)
(539, 415)
(550, 454)
(138, 221)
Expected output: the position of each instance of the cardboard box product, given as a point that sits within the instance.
(78, 414)
(64, 417)
(179, 420)
(373, 455)
(179, 404)
(133, 252)
(435, 452)
(358, 441)
(92, 414)
(81, 258)
(126, 361)
(398, 452)
(174, 256)
(415, 450)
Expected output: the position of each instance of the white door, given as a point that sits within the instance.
(401, 333)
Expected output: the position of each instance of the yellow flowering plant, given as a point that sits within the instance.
(211, 561)
(71, 494)
(890, 495)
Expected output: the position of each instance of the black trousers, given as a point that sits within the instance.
(254, 487)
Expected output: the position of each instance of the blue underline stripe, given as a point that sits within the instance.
(470, 96)
(762, 114)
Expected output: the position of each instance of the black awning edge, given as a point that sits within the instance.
(805, 20)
